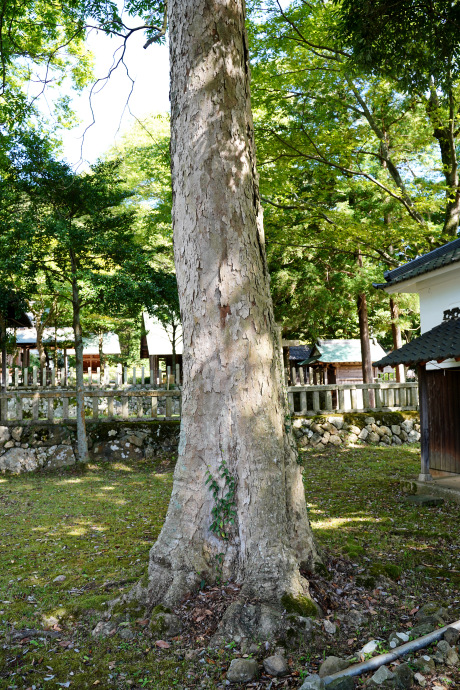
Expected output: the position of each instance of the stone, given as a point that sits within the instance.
(395, 429)
(352, 438)
(443, 646)
(385, 440)
(329, 627)
(431, 608)
(407, 425)
(4, 434)
(16, 433)
(337, 422)
(60, 456)
(373, 437)
(369, 420)
(421, 680)
(382, 675)
(326, 437)
(316, 428)
(125, 633)
(164, 624)
(275, 665)
(354, 429)
(424, 663)
(60, 578)
(312, 682)
(327, 426)
(297, 423)
(335, 440)
(9, 444)
(363, 434)
(403, 435)
(396, 441)
(451, 636)
(452, 657)
(403, 677)
(397, 638)
(17, 460)
(315, 439)
(331, 665)
(104, 629)
(424, 500)
(344, 683)
(303, 442)
(369, 648)
(117, 451)
(242, 671)
(422, 629)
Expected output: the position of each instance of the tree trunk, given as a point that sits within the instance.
(3, 346)
(397, 339)
(234, 411)
(40, 326)
(366, 359)
(82, 442)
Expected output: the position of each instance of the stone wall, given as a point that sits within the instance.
(50, 446)
(47, 446)
(383, 429)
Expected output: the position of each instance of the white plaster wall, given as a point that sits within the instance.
(437, 294)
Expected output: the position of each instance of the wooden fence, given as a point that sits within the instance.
(358, 397)
(27, 377)
(134, 403)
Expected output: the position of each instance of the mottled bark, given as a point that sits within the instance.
(397, 339)
(234, 404)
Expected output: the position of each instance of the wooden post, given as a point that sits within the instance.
(95, 407)
(152, 369)
(16, 377)
(125, 375)
(134, 376)
(154, 406)
(353, 397)
(303, 402)
(124, 407)
(178, 374)
(341, 401)
(65, 408)
(143, 376)
(316, 407)
(168, 407)
(19, 407)
(424, 475)
(25, 376)
(34, 375)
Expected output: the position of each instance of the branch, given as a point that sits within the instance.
(160, 31)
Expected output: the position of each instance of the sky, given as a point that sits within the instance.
(150, 71)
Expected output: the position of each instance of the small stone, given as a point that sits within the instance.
(355, 430)
(335, 440)
(104, 629)
(421, 680)
(422, 629)
(355, 619)
(9, 444)
(431, 608)
(275, 665)
(315, 439)
(337, 422)
(242, 671)
(363, 434)
(395, 429)
(326, 437)
(126, 634)
(407, 425)
(352, 438)
(369, 420)
(403, 435)
(165, 624)
(331, 665)
(329, 627)
(368, 648)
(397, 638)
(382, 675)
(373, 437)
(396, 441)
(385, 439)
(312, 682)
(343, 683)
(451, 636)
(424, 663)
(59, 578)
(452, 657)
(4, 434)
(403, 676)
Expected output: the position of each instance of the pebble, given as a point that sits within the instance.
(275, 665)
(382, 675)
(421, 680)
(368, 648)
(312, 682)
(242, 670)
(59, 578)
(329, 627)
(331, 665)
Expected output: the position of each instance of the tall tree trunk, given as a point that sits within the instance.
(82, 442)
(234, 411)
(3, 346)
(366, 359)
(397, 339)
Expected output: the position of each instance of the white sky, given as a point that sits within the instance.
(150, 71)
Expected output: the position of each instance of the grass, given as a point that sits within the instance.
(96, 527)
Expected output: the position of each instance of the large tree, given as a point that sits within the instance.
(238, 506)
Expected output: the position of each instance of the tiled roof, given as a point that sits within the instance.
(343, 350)
(442, 342)
(442, 256)
(299, 352)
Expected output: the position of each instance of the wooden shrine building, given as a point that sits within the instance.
(436, 353)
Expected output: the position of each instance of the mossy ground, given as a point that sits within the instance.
(96, 527)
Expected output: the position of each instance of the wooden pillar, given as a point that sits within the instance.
(424, 475)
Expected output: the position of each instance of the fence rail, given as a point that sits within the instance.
(358, 397)
(133, 403)
(59, 406)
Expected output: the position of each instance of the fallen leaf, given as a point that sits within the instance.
(162, 644)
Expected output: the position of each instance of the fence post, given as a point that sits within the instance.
(353, 399)
(178, 374)
(316, 407)
(143, 376)
(154, 412)
(168, 407)
(329, 401)
(134, 376)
